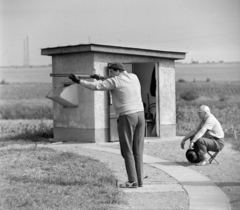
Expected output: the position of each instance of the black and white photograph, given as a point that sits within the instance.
(119, 104)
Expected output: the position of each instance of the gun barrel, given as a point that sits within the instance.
(67, 75)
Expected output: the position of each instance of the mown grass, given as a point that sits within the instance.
(42, 178)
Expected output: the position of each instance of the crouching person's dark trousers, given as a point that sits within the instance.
(209, 144)
(131, 136)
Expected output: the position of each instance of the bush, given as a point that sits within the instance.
(179, 114)
(189, 95)
(4, 82)
(223, 98)
(181, 80)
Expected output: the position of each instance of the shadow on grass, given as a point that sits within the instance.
(227, 184)
(48, 180)
(207, 183)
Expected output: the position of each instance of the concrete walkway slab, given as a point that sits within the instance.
(203, 193)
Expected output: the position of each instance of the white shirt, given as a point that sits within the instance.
(211, 127)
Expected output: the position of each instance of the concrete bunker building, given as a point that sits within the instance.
(83, 115)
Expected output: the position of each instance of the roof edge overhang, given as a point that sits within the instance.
(112, 50)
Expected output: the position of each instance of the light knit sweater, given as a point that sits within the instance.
(125, 90)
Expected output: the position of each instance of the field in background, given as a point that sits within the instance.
(211, 90)
(27, 100)
(23, 74)
(188, 72)
(212, 71)
(19, 91)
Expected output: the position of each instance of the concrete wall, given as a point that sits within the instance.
(166, 98)
(89, 121)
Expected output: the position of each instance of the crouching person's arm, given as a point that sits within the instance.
(188, 136)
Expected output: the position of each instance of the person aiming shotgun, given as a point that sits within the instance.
(125, 89)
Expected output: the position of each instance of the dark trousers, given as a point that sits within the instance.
(208, 144)
(131, 136)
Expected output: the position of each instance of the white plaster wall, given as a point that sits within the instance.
(167, 101)
(101, 100)
(83, 115)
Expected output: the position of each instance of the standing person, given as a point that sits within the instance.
(208, 135)
(126, 96)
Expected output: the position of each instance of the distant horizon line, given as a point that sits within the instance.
(177, 62)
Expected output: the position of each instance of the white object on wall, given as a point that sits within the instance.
(65, 96)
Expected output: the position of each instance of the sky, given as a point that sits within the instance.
(207, 30)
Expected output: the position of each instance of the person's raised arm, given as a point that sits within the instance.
(102, 85)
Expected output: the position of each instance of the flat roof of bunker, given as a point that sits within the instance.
(112, 50)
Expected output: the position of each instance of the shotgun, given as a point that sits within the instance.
(92, 76)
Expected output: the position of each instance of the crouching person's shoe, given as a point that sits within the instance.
(129, 185)
(202, 163)
(203, 157)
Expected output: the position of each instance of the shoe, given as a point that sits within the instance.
(202, 163)
(140, 184)
(129, 185)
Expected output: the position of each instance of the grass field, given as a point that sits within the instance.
(213, 71)
(223, 98)
(26, 75)
(42, 178)
(211, 90)
(25, 101)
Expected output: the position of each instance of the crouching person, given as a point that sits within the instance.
(208, 135)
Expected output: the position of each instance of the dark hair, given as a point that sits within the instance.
(116, 67)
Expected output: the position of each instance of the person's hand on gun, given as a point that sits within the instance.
(98, 77)
(74, 78)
